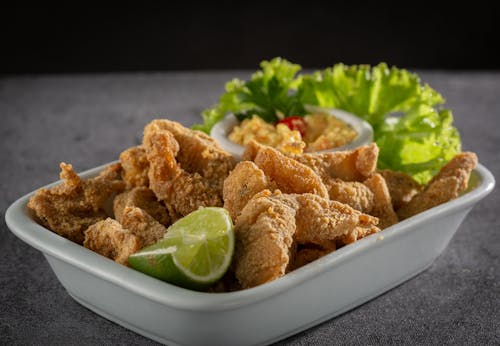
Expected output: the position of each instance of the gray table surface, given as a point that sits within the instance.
(88, 120)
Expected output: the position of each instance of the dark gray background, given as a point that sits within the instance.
(194, 35)
(88, 120)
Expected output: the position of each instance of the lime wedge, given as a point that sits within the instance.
(195, 252)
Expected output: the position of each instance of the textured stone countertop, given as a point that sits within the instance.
(88, 120)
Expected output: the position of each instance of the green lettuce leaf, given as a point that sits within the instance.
(418, 141)
(269, 94)
(369, 92)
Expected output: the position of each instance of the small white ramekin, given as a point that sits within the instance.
(222, 129)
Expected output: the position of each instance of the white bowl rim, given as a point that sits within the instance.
(23, 225)
(220, 130)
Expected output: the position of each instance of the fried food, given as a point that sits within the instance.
(264, 237)
(351, 165)
(143, 225)
(270, 224)
(356, 234)
(270, 170)
(182, 192)
(197, 152)
(289, 175)
(135, 167)
(402, 187)
(110, 239)
(320, 221)
(144, 198)
(382, 204)
(308, 254)
(342, 171)
(352, 193)
(444, 186)
(72, 206)
(244, 182)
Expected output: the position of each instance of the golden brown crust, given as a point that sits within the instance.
(352, 193)
(110, 239)
(402, 187)
(264, 235)
(270, 224)
(197, 153)
(382, 204)
(351, 165)
(308, 254)
(242, 184)
(444, 186)
(289, 175)
(181, 191)
(72, 206)
(143, 225)
(144, 198)
(135, 167)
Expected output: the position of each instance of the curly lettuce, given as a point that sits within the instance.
(268, 94)
(415, 136)
(419, 141)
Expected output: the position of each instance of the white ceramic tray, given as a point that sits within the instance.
(301, 299)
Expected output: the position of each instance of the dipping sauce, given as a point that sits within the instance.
(322, 131)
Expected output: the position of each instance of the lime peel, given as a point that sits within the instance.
(195, 252)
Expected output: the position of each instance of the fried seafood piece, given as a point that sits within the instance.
(452, 179)
(143, 225)
(69, 208)
(320, 221)
(382, 204)
(182, 192)
(357, 234)
(271, 224)
(270, 170)
(352, 193)
(289, 175)
(350, 165)
(264, 237)
(197, 153)
(135, 166)
(342, 171)
(402, 187)
(144, 198)
(244, 182)
(308, 254)
(110, 239)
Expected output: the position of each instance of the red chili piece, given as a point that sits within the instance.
(295, 123)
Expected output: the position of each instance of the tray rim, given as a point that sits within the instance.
(23, 225)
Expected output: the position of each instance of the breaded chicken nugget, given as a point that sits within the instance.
(144, 198)
(264, 236)
(110, 239)
(197, 153)
(382, 204)
(402, 187)
(342, 171)
(352, 193)
(319, 220)
(289, 175)
(444, 186)
(135, 167)
(72, 206)
(270, 224)
(350, 165)
(308, 254)
(242, 184)
(182, 192)
(143, 225)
